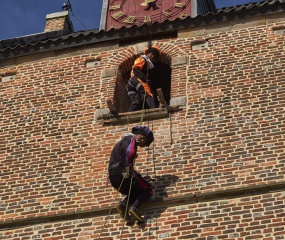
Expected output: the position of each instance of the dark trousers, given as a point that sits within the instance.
(137, 102)
(136, 189)
(138, 96)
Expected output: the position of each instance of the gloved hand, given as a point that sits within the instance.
(126, 173)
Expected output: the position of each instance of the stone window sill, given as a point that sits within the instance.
(136, 116)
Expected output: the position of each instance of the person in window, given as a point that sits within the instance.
(138, 87)
(124, 178)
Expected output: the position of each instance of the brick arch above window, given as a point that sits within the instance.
(160, 76)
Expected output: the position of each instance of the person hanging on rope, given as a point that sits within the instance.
(138, 87)
(124, 178)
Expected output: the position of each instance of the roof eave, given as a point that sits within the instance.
(91, 37)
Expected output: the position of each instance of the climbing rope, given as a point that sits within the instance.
(121, 185)
(153, 159)
(133, 166)
(154, 169)
(125, 214)
(142, 113)
(111, 208)
(127, 206)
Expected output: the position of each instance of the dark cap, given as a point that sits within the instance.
(144, 131)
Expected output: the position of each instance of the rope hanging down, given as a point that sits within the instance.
(127, 207)
(142, 113)
(130, 189)
(111, 209)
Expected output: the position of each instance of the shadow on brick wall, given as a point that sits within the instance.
(156, 206)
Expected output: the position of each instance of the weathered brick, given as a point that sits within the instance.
(228, 135)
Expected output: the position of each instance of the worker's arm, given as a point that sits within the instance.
(129, 153)
(137, 67)
(126, 172)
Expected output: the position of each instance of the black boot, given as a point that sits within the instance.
(122, 210)
(136, 213)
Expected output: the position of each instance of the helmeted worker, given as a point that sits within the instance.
(138, 87)
(124, 178)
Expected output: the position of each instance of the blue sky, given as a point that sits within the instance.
(25, 17)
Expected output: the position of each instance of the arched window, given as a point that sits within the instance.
(160, 77)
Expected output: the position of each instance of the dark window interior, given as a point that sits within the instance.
(160, 77)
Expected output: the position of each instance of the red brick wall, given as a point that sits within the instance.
(229, 136)
(258, 217)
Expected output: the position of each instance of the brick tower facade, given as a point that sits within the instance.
(217, 162)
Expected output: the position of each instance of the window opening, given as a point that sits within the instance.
(160, 77)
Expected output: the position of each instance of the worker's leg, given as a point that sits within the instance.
(141, 192)
(122, 185)
(150, 102)
(136, 103)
